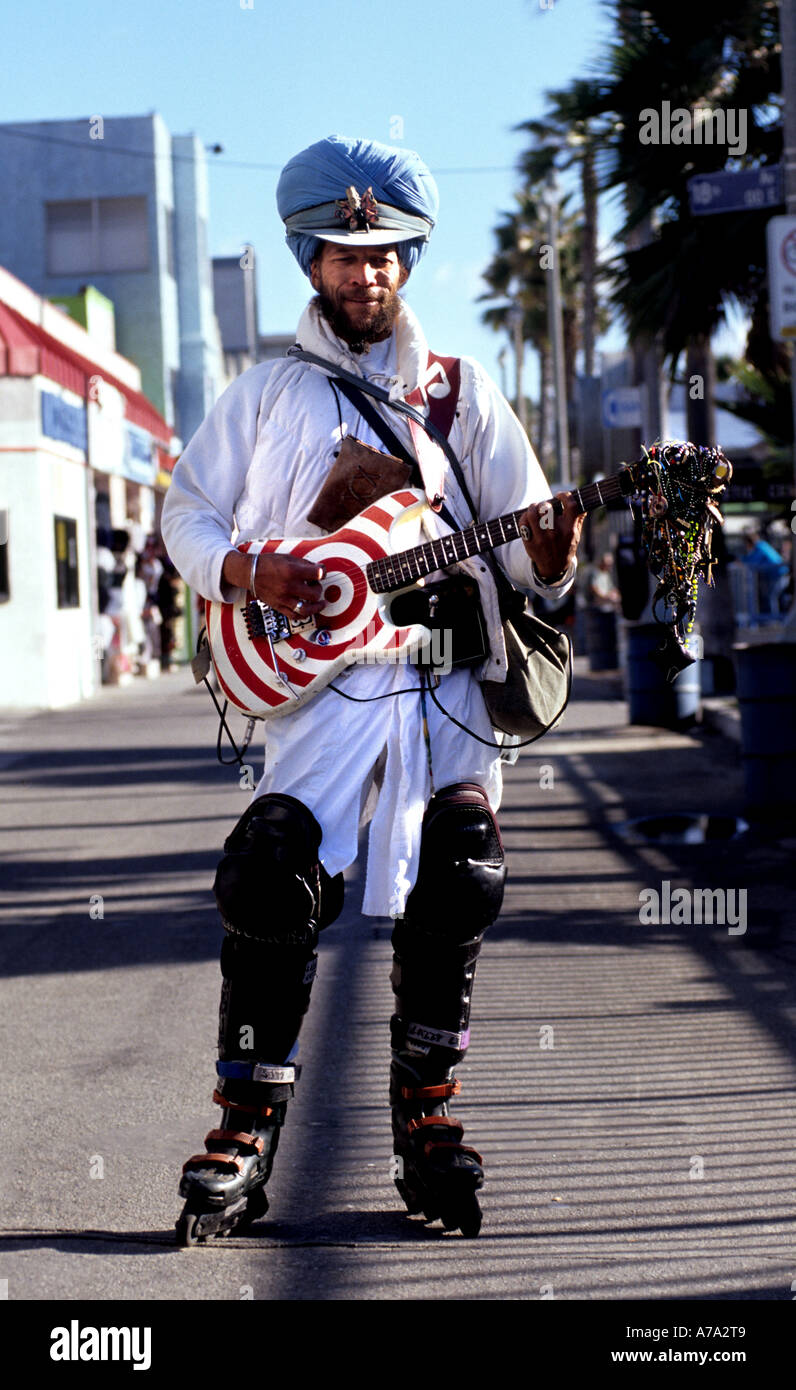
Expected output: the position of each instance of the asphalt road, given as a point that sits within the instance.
(630, 1084)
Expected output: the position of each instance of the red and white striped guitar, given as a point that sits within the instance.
(269, 664)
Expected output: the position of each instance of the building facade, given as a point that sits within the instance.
(121, 204)
(82, 452)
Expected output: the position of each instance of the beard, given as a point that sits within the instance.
(359, 327)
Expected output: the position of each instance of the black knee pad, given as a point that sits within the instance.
(270, 886)
(459, 888)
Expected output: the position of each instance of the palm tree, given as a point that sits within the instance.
(562, 140)
(517, 283)
(680, 280)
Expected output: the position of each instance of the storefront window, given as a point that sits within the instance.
(5, 592)
(66, 562)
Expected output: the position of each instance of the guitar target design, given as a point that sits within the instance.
(272, 678)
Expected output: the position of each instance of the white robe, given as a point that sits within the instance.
(254, 469)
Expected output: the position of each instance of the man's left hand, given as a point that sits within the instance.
(552, 539)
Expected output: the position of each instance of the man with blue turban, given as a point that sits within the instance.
(276, 458)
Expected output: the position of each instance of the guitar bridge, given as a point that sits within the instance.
(262, 621)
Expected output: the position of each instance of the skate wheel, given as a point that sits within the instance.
(469, 1221)
(256, 1206)
(410, 1197)
(186, 1229)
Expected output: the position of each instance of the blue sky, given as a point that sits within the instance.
(264, 80)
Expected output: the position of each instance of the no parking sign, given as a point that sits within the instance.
(781, 240)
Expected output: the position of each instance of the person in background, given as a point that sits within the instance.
(603, 593)
(769, 567)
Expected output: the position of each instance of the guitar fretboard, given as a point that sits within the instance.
(407, 566)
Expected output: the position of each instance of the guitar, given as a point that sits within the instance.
(269, 664)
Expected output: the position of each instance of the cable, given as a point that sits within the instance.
(488, 742)
(214, 163)
(240, 754)
(105, 148)
(368, 699)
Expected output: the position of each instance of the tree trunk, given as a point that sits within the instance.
(700, 385)
(589, 255)
(546, 441)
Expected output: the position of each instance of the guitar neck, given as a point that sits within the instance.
(406, 567)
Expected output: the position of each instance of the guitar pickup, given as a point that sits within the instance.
(262, 621)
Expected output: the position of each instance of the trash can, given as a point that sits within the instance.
(601, 640)
(767, 701)
(652, 699)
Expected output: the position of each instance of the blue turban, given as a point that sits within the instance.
(313, 199)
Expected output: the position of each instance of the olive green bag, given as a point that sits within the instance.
(539, 676)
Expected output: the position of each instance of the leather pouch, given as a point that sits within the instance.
(358, 476)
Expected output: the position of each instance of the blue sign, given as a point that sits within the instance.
(622, 408)
(736, 192)
(60, 420)
(139, 464)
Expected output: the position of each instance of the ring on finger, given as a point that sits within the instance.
(300, 605)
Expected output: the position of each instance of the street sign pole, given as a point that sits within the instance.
(787, 23)
(556, 334)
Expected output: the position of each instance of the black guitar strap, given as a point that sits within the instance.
(340, 375)
(510, 599)
(378, 424)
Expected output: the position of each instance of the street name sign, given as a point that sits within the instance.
(742, 191)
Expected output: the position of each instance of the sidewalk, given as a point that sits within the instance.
(630, 1085)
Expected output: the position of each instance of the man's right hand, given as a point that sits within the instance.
(284, 582)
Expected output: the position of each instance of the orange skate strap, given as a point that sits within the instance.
(432, 1148)
(234, 1136)
(228, 1104)
(441, 1121)
(225, 1160)
(443, 1091)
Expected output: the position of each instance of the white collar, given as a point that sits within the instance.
(316, 335)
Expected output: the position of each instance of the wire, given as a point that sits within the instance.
(214, 163)
(103, 146)
(368, 699)
(240, 754)
(488, 743)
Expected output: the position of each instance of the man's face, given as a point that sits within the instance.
(358, 290)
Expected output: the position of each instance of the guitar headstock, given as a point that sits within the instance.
(684, 475)
(678, 485)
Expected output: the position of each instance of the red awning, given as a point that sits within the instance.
(28, 350)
